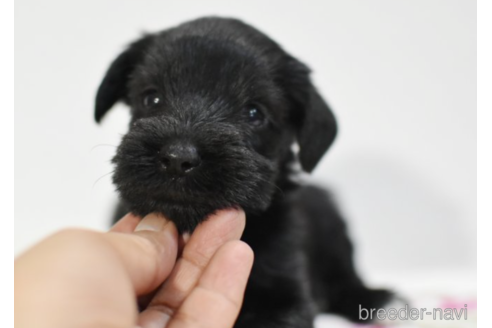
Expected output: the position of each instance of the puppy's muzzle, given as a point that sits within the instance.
(187, 171)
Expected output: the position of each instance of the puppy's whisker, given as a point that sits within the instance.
(98, 179)
(102, 145)
(271, 183)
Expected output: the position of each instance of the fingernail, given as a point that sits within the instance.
(230, 221)
(186, 237)
(152, 222)
(230, 213)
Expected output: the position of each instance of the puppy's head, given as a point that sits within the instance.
(216, 106)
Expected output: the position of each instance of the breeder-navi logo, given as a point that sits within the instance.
(408, 313)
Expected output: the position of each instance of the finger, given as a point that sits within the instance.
(126, 224)
(217, 299)
(149, 254)
(224, 226)
(108, 269)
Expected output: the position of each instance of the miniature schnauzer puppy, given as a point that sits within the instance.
(215, 109)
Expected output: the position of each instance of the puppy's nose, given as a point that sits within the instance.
(179, 158)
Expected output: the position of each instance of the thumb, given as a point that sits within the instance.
(148, 255)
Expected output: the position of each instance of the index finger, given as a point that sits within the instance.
(216, 301)
(126, 224)
(208, 237)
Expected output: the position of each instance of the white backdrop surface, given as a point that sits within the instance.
(400, 76)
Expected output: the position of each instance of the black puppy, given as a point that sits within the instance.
(216, 106)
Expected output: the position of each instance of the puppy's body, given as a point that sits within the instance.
(216, 106)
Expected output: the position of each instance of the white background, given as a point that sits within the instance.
(400, 76)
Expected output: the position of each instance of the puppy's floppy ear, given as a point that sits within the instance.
(315, 123)
(114, 85)
(317, 130)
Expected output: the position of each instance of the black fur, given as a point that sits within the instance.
(231, 93)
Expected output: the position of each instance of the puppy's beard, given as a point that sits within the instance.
(231, 173)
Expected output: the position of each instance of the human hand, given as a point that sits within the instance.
(80, 278)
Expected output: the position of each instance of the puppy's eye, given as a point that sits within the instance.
(255, 115)
(152, 99)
